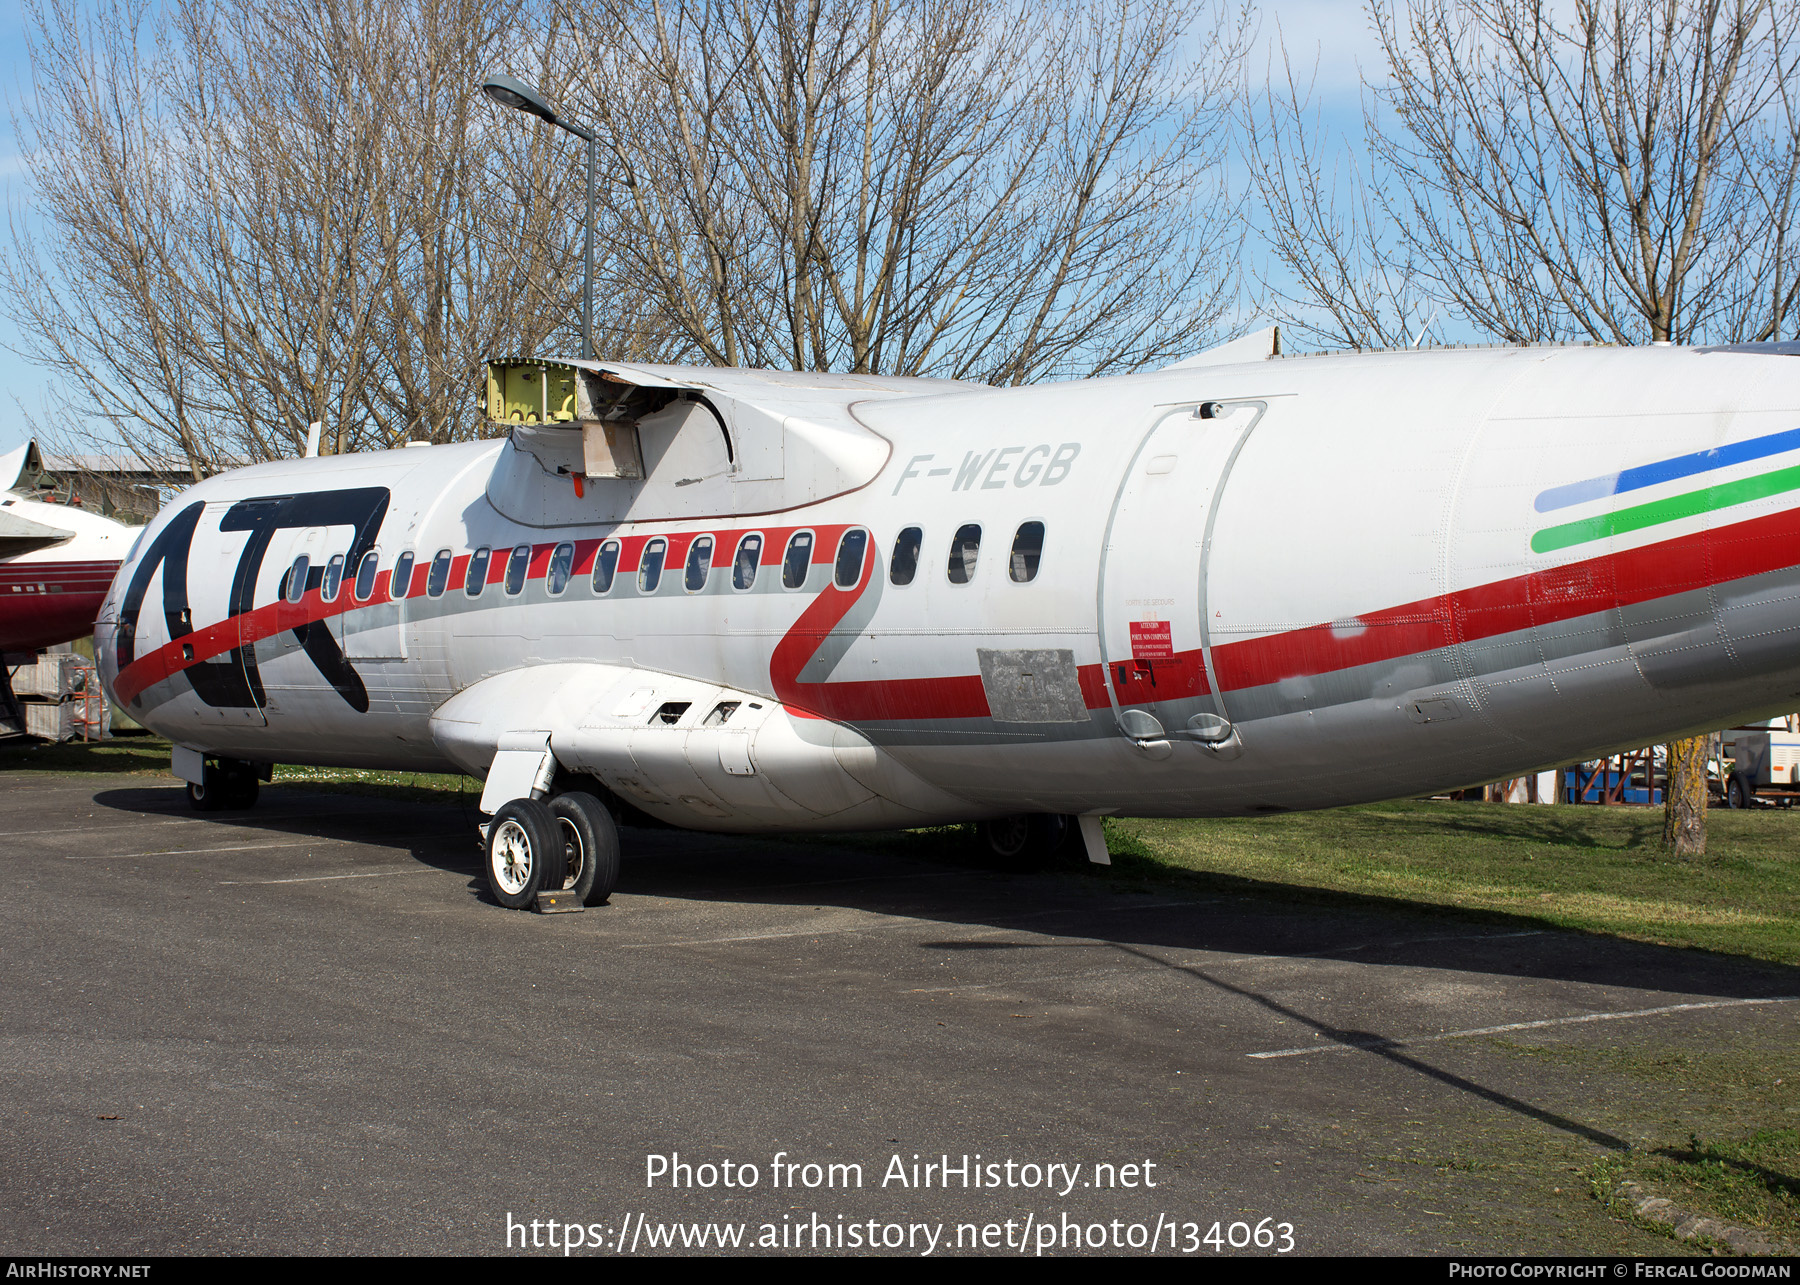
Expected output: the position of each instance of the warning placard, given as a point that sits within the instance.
(1150, 640)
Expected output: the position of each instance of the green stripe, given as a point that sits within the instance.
(1656, 513)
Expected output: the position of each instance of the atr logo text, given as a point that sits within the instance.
(1004, 466)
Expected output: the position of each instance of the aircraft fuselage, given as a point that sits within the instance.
(1285, 584)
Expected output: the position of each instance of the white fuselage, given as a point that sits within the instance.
(1363, 576)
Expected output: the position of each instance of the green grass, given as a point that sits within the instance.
(149, 756)
(1584, 867)
(1588, 868)
(1747, 1180)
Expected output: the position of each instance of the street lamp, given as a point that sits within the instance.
(511, 92)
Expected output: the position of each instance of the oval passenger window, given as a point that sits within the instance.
(518, 565)
(799, 558)
(964, 550)
(605, 565)
(296, 579)
(365, 575)
(905, 563)
(439, 578)
(334, 576)
(400, 583)
(699, 563)
(562, 566)
(749, 557)
(476, 580)
(850, 558)
(1027, 551)
(650, 565)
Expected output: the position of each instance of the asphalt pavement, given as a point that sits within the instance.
(304, 1028)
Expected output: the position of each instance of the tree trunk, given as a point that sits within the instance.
(1684, 798)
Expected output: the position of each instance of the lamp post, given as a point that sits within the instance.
(511, 92)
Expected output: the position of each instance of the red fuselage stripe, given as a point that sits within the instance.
(1690, 562)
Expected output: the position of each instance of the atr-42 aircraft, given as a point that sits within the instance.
(743, 601)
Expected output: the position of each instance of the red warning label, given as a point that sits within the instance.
(1150, 640)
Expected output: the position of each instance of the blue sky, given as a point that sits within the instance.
(1333, 31)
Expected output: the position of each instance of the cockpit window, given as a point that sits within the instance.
(749, 557)
(1027, 551)
(799, 558)
(518, 564)
(605, 565)
(904, 565)
(699, 563)
(964, 550)
(476, 580)
(650, 565)
(562, 566)
(851, 549)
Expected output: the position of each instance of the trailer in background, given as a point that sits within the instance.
(1757, 761)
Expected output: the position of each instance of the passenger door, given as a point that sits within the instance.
(1153, 638)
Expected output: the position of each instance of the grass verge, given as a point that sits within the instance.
(1744, 1180)
(1588, 868)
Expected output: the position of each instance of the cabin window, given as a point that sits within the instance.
(699, 563)
(334, 576)
(476, 580)
(518, 565)
(439, 578)
(851, 549)
(365, 575)
(605, 565)
(904, 565)
(721, 714)
(562, 567)
(400, 582)
(799, 558)
(650, 565)
(749, 557)
(296, 579)
(964, 550)
(1027, 550)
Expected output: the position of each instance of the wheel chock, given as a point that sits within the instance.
(559, 903)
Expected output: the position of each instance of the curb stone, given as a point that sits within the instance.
(1691, 1226)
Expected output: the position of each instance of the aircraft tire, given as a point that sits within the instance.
(1026, 841)
(523, 853)
(590, 846)
(208, 796)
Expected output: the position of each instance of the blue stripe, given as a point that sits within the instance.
(1635, 479)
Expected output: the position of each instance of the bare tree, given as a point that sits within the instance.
(1618, 170)
(1623, 173)
(1342, 274)
(255, 214)
(998, 189)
